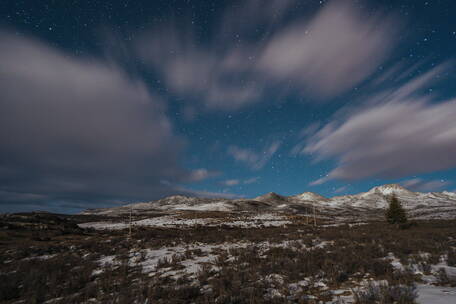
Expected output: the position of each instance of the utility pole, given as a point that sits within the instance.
(315, 218)
(129, 232)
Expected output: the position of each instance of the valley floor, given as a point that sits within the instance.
(220, 257)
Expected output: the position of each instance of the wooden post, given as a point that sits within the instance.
(129, 232)
(315, 218)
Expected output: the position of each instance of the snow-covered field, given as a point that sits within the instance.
(177, 221)
(206, 254)
(188, 261)
(207, 257)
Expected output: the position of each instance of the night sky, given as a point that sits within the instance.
(104, 102)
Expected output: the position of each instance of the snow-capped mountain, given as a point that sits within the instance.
(377, 197)
(419, 205)
(390, 189)
(309, 196)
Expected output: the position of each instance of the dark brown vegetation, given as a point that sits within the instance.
(244, 275)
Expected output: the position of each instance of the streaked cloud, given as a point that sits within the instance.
(336, 50)
(235, 182)
(254, 159)
(201, 174)
(230, 182)
(322, 55)
(319, 181)
(341, 189)
(251, 180)
(418, 184)
(396, 133)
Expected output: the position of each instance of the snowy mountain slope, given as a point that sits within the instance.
(309, 196)
(419, 205)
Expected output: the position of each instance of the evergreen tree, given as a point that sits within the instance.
(395, 214)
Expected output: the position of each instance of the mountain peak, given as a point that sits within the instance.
(269, 196)
(448, 193)
(309, 196)
(389, 189)
(374, 199)
(178, 196)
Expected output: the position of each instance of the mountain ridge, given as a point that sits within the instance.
(417, 203)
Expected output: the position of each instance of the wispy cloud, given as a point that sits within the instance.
(235, 182)
(230, 182)
(201, 174)
(418, 184)
(254, 159)
(340, 47)
(251, 180)
(341, 189)
(319, 181)
(322, 55)
(398, 132)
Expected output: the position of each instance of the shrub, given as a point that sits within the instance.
(451, 261)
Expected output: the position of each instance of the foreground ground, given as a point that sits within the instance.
(218, 257)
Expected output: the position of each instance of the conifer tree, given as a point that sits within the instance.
(395, 214)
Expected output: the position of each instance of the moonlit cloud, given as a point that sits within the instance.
(341, 189)
(340, 47)
(201, 174)
(235, 182)
(222, 99)
(79, 130)
(254, 159)
(251, 180)
(319, 181)
(322, 55)
(398, 132)
(230, 182)
(418, 184)
(197, 72)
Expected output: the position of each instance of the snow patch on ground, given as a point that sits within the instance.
(157, 261)
(429, 294)
(41, 257)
